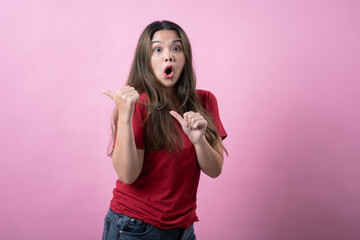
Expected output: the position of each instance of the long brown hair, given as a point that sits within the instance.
(161, 133)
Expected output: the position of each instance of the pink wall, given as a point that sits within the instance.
(286, 75)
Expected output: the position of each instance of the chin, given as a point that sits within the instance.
(168, 83)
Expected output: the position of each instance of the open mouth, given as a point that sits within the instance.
(169, 71)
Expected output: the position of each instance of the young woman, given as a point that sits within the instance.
(164, 133)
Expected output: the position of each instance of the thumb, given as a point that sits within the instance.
(109, 94)
(178, 117)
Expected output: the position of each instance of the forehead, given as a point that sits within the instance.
(165, 35)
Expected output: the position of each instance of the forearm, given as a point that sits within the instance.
(125, 158)
(210, 161)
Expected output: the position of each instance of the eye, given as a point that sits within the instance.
(177, 48)
(158, 49)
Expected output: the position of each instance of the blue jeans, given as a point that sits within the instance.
(121, 227)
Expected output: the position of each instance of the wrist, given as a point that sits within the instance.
(200, 142)
(124, 120)
(125, 115)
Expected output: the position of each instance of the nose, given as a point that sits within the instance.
(169, 57)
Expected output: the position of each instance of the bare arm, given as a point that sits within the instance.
(127, 160)
(210, 159)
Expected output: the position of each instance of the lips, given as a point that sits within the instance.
(168, 71)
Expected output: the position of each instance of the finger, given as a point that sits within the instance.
(186, 115)
(178, 117)
(200, 124)
(130, 94)
(127, 89)
(123, 90)
(190, 117)
(195, 119)
(126, 95)
(109, 94)
(134, 96)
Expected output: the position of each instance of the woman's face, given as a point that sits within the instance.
(167, 59)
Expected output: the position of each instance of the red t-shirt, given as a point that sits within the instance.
(164, 195)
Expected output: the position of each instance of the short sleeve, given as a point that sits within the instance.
(138, 123)
(138, 126)
(211, 106)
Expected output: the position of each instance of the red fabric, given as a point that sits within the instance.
(164, 195)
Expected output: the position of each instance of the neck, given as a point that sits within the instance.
(170, 92)
(173, 102)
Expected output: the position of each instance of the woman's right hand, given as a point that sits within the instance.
(124, 99)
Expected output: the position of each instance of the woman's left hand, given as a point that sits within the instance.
(193, 124)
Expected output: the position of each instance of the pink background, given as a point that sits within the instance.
(286, 76)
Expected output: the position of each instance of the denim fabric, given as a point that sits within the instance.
(121, 227)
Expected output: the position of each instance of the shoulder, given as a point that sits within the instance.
(141, 105)
(209, 103)
(143, 98)
(207, 98)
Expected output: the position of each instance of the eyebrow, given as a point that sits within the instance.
(176, 40)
